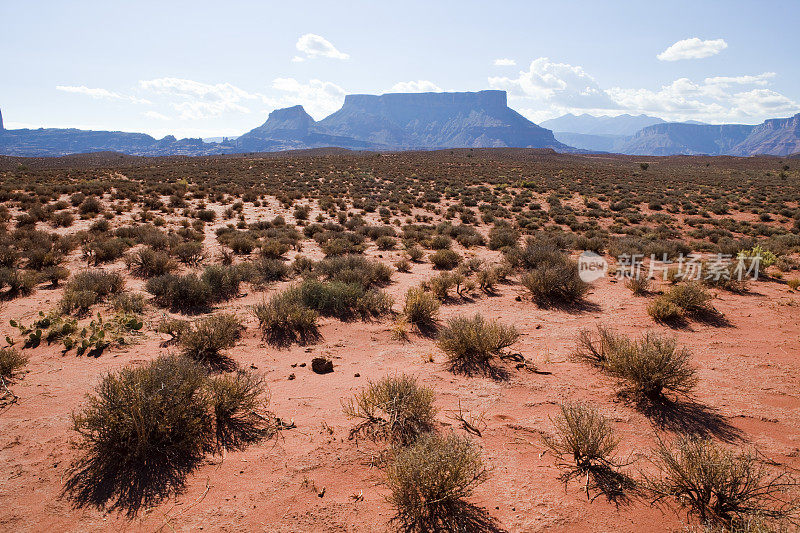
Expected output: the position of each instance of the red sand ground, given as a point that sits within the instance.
(748, 372)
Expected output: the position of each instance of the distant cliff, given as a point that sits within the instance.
(401, 121)
(404, 121)
(778, 137)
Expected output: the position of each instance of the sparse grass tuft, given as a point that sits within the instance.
(207, 339)
(430, 479)
(722, 487)
(421, 309)
(396, 409)
(471, 344)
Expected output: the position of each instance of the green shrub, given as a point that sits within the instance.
(445, 259)
(555, 281)
(185, 293)
(147, 262)
(207, 339)
(421, 309)
(395, 408)
(284, 319)
(430, 479)
(471, 344)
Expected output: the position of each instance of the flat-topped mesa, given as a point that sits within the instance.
(482, 99)
(436, 120)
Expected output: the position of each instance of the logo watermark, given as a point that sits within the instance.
(591, 266)
(692, 267)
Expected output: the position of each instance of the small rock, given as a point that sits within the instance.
(518, 298)
(356, 375)
(302, 365)
(321, 365)
(291, 377)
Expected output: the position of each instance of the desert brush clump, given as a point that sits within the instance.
(471, 344)
(283, 319)
(11, 361)
(552, 277)
(88, 287)
(430, 479)
(721, 487)
(585, 444)
(206, 340)
(396, 409)
(445, 259)
(684, 300)
(646, 368)
(147, 262)
(421, 309)
(147, 427)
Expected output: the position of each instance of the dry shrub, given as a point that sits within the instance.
(239, 402)
(206, 340)
(147, 262)
(186, 293)
(421, 309)
(472, 343)
(722, 487)
(646, 368)
(584, 441)
(89, 287)
(594, 347)
(396, 409)
(11, 361)
(639, 285)
(445, 259)
(430, 479)
(147, 427)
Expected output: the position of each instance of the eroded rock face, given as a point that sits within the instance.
(778, 137)
(437, 120)
(399, 121)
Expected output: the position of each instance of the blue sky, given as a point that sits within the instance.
(205, 68)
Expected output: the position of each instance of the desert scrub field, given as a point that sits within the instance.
(402, 341)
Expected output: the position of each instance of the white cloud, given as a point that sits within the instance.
(319, 98)
(313, 45)
(692, 48)
(100, 94)
(200, 100)
(726, 81)
(419, 86)
(549, 89)
(559, 84)
(504, 62)
(155, 115)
